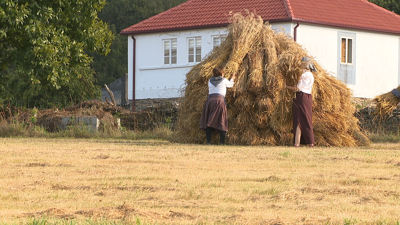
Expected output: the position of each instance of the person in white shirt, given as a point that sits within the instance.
(302, 106)
(215, 115)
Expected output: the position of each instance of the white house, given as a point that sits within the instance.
(355, 40)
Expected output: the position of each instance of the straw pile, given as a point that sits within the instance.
(259, 105)
(385, 104)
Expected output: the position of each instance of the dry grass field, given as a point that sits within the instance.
(156, 182)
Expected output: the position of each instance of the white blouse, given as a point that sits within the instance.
(221, 87)
(306, 82)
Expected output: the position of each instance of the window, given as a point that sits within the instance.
(170, 51)
(217, 40)
(194, 49)
(347, 57)
(347, 50)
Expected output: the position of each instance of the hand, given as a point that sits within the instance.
(233, 77)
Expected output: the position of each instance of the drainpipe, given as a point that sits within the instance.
(134, 74)
(295, 31)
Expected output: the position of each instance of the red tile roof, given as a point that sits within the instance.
(194, 14)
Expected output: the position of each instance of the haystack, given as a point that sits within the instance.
(386, 104)
(259, 105)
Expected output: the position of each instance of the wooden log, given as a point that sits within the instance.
(111, 94)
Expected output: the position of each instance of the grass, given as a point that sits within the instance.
(18, 129)
(384, 137)
(122, 177)
(149, 181)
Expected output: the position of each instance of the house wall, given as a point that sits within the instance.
(153, 78)
(324, 52)
(377, 70)
(377, 61)
(156, 80)
(287, 27)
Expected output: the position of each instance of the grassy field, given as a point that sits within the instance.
(110, 181)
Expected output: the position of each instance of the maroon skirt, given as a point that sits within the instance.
(302, 116)
(215, 114)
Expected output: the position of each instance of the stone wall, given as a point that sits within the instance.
(167, 110)
(370, 122)
(141, 104)
(159, 112)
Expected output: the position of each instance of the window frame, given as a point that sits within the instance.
(220, 37)
(196, 55)
(171, 57)
(347, 51)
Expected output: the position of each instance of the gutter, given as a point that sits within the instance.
(174, 29)
(134, 75)
(295, 32)
(289, 19)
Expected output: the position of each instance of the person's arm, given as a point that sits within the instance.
(295, 89)
(230, 82)
(233, 78)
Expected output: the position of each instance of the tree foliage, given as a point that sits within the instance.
(391, 5)
(121, 14)
(43, 44)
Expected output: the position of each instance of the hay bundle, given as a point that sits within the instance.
(259, 105)
(386, 104)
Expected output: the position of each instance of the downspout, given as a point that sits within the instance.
(295, 31)
(134, 75)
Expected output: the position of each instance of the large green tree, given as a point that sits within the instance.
(391, 5)
(121, 14)
(43, 48)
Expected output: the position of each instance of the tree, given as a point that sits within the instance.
(121, 14)
(391, 5)
(43, 44)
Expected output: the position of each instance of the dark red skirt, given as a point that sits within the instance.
(215, 114)
(302, 116)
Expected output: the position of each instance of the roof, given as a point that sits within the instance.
(195, 14)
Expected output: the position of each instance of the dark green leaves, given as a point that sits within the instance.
(43, 46)
(391, 5)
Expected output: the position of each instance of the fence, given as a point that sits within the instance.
(39, 104)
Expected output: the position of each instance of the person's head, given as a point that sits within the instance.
(308, 64)
(218, 71)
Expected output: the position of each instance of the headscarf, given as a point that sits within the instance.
(396, 93)
(216, 80)
(309, 64)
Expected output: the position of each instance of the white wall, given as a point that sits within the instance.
(156, 80)
(320, 43)
(287, 27)
(377, 70)
(377, 65)
(153, 78)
